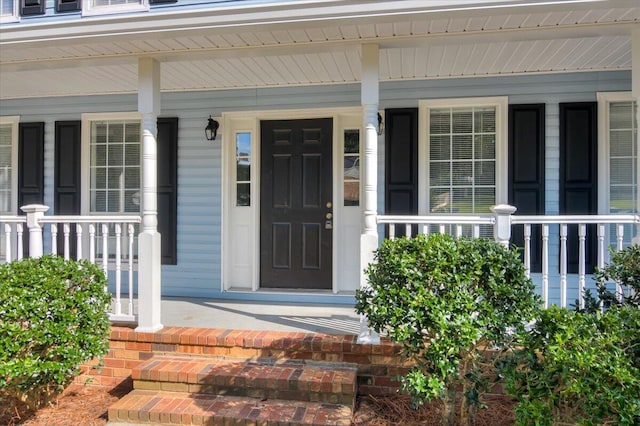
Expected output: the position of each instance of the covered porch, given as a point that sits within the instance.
(349, 62)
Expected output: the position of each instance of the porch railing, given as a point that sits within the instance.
(611, 232)
(110, 241)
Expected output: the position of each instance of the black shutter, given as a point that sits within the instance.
(578, 174)
(526, 172)
(32, 7)
(30, 164)
(68, 5)
(168, 188)
(67, 189)
(30, 168)
(401, 161)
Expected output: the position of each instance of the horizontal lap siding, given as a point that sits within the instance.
(199, 161)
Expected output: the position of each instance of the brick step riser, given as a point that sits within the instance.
(259, 393)
(175, 408)
(301, 381)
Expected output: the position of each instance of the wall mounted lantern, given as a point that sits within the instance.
(380, 125)
(211, 130)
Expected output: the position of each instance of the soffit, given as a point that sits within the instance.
(556, 41)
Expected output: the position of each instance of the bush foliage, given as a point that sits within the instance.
(624, 268)
(53, 317)
(454, 305)
(578, 368)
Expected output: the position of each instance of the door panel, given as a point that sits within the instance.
(296, 185)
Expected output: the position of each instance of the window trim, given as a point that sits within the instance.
(501, 103)
(14, 121)
(89, 10)
(604, 178)
(15, 17)
(85, 155)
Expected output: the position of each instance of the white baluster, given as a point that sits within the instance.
(54, 238)
(92, 243)
(476, 231)
(407, 230)
(118, 230)
(601, 248)
(425, 228)
(582, 237)
(7, 242)
(458, 231)
(545, 265)
(105, 249)
(66, 230)
(601, 252)
(78, 241)
(392, 231)
(563, 265)
(527, 250)
(442, 229)
(19, 232)
(131, 230)
(619, 238)
(619, 235)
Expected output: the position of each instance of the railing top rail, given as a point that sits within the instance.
(91, 219)
(439, 220)
(13, 219)
(575, 219)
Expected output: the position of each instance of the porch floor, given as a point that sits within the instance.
(239, 315)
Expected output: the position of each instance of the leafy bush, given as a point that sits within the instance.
(53, 317)
(579, 368)
(454, 305)
(623, 268)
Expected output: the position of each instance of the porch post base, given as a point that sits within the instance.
(149, 282)
(368, 244)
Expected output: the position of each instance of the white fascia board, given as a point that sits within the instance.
(276, 14)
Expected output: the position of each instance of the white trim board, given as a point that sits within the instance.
(243, 274)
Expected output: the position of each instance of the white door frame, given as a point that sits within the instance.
(240, 261)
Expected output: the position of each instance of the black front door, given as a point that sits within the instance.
(296, 204)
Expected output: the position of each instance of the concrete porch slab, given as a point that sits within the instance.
(238, 315)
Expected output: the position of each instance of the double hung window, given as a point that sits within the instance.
(463, 154)
(9, 10)
(618, 156)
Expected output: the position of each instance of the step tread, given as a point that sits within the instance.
(157, 407)
(212, 375)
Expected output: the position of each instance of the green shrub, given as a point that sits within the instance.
(623, 268)
(579, 368)
(454, 305)
(53, 317)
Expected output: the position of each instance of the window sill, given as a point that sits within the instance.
(6, 19)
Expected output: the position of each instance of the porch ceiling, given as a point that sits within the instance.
(412, 47)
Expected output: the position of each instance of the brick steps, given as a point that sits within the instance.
(180, 408)
(179, 389)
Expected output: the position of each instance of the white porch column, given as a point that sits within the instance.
(635, 92)
(35, 212)
(149, 238)
(369, 237)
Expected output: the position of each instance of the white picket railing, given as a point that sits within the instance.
(501, 222)
(11, 246)
(110, 241)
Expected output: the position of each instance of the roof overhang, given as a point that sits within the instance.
(315, 42)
